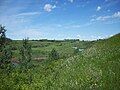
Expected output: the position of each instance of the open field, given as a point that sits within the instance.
(42, 49)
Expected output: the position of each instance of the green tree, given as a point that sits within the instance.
(26, 65)
(25, 55)
(2, 35)
(54, 55)
(5, 50)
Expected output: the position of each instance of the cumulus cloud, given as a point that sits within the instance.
(49, 7)
(98, 8)
(103, 18)
(117, 14)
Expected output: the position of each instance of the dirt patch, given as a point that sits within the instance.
(14, 60)
(39, 59)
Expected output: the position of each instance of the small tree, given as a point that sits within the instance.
(25, 55)
(2, 35)
(54, 55)
(5, 50)
(25, 52)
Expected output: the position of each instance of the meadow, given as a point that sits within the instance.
(95, 67)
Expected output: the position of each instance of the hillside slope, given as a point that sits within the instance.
(96, 68)
(104, 47)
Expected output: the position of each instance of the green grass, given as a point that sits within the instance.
(42, 49)
(95, 68)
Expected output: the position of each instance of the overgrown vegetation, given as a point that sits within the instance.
(5, 51)
(25, 55)
(54, 55)
(58, 65)
(8, 69)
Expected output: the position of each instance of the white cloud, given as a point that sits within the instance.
(79, 36)
(31, 33)
(71, 1)
(94, 37)
(28, 14)
(54, 7)
(110, 3)
(77, 26)
(49, 7)
(103, 18)
(117, 14)
(98, 8)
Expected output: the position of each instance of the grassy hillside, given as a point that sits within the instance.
(95, 68)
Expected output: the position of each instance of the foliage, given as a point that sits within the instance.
(25, 55)
(54, 55)
(2, 35)
(76, 51)
(5, 51)
(97, 67)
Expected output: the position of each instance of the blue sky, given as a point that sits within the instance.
(60, 19)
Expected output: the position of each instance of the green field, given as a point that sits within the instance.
(96, 67)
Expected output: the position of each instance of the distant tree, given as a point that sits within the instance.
(54, 55)
(25, 55)
(5, 50)
(2, 35)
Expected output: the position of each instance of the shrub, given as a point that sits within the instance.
(76, 51)
(25, 55)
(54, 55)
(5, 51)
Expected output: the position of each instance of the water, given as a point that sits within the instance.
(81, 49)
(74, 47)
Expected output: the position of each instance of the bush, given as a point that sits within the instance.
(76, 51)
(25, 55)
(5, 51)
(54, 55)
